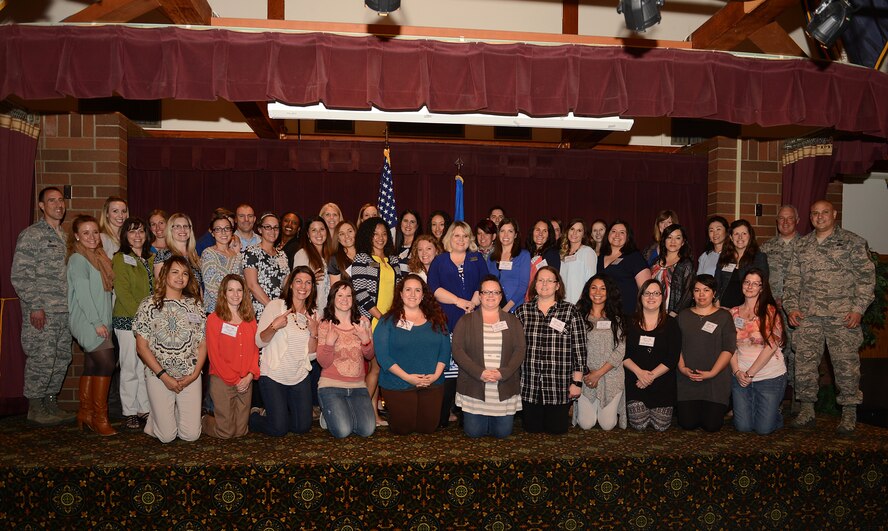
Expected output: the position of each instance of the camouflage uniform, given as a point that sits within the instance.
(779, 255)
(40, 280)
(826, 281)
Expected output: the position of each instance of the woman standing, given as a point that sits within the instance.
(664, 219)
(314, 254)
(180, 242)
(408, 229)
(739, 254)
(717, 227)
(366, 212)
(345, 252)
(332, 215)
(485, 236)
(157, 223)
(344, 344)
(578, 261)
(556, 348)
(114, 212)
(708, 341)
(90, 281)
(439, 223)
(265, 268)
(290, 238)
(510, 264)
(621, 260)
(758, 366)
(596, 239)
(133, 281)
(288, 337)
(413, 348)
(488, 346)
(220, 260)
(170, 338)
(603, 401)
(673, 269)
(234, 359)
(543, 249)
(454, 280)
(425, 249)
(653, 344)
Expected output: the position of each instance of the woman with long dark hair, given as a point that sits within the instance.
(717, 228)
(265, 267)
(439, 223)
(314, 254)
(413, 348)
(620, 259)
(653, 344)
(543, 248)
(603, 401)
(758, 366)
(739, 254)
(510, 263)
(341, 260)
(579, 262)
(674, 269)
(408, 229)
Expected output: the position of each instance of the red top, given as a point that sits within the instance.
(345, 360)
(232, 356)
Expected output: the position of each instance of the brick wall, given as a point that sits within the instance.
(89, 154)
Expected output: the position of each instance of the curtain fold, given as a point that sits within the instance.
(807, 171)
(18, 150)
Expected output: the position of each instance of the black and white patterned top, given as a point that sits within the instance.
(173, 333)
(552, 356)
(271, 270)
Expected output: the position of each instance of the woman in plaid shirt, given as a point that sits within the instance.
(556, 349)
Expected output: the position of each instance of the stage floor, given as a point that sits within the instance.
(60, 478)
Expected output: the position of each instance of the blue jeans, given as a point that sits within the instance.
(287, 408)
(757, 406)
(482, 425)
(347, 410)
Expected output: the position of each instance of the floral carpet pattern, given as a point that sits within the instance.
(58, 478)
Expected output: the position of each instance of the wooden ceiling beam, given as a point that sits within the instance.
(256, 115)
(773, 39)
(195, 12)
(570, 17)
(114, 11)
(735, 22)
(275, 10)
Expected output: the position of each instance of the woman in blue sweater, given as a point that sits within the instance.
(413, 349)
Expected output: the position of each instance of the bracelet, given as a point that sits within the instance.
(577, 383)
(160, 373)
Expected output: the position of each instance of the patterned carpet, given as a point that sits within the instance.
(57, 478)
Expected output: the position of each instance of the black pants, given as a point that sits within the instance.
(545, 419)
(693, 414)
(448, 402)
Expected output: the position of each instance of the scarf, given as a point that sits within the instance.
(99, 260)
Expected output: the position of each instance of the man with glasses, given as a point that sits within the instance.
(829, 285)
(245, 218)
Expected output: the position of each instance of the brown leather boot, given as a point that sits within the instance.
(99, 388)
(85, 412)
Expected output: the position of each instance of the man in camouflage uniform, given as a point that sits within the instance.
(829, 285)
(40, 280)
(779, 250)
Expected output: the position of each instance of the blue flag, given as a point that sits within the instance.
(458, 209)
(385, 202)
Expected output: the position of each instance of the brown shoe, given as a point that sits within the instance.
(85, 412)
(99, 388)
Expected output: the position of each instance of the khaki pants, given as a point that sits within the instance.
(173, 415)
(231, 410)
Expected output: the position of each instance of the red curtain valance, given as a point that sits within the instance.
(40, 62)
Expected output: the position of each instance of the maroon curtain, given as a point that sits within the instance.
(357, 72)
(196, 176)
(18, 149)
(807, 171)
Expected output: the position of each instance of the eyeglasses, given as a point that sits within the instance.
(218, 230)
(651, 293)
(491, 292)
(181, 227)
(546, 281)
(751, 284)
(270, 227)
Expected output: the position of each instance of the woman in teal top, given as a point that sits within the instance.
(413, 348)
(90, 281)
(133, 281)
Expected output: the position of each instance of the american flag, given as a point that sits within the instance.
(385, 202)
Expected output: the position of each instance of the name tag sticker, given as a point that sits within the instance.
(569, 258)
(374, 265)
(617, 261)
(602, 325)
(646, 341)
(729, 268)
(505, 265)
(709, 327)
(541, 265)
(499, 326)
(404, 324)
(673, 314)
(129, 260)
(229, 329)
(473, 259)
(557, 324)
(193, 318)
(739, 323)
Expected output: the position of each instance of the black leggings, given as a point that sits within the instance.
(99, 363)
(537, 418)
(693, 414)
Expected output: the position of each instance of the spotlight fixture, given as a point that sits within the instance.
(640, 14)
(383, 7)
(829, 21)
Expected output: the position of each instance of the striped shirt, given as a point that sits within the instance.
(491, 405)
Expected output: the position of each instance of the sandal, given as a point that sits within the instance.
(132, 423)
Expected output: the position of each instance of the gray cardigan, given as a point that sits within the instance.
(468, 353)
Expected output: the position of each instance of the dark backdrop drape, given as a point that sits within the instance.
(18, 148)
(195, 176)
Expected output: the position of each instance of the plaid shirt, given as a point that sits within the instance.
(552, 356)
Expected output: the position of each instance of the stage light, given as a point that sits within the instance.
(829, 21)
(640, 14)
(383, 7)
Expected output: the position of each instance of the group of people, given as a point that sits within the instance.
(572, 325)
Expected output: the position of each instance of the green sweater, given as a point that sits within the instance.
(132, 283)
(89, 305)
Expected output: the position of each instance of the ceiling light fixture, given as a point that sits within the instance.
(640, 14)
(829, 21)
(570, 121)
(383, 7)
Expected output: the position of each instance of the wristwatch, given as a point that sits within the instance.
(577, 383)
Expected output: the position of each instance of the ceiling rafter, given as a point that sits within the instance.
(736, 22)
(256, 115)
(194, 12)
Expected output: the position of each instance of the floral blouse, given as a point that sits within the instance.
(173, 333)
(272, 271)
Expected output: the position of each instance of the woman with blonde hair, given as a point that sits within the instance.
(157, 222)
(332, 215)
(114, 212)
(367, 211)
(180, 241)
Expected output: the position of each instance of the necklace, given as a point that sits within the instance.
(301, 324)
